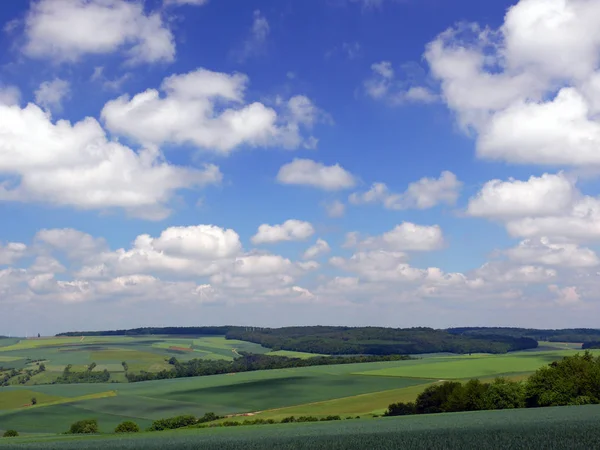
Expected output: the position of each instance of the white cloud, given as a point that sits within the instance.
(545, 195)
(66, 30)
(290, 230)
(76, 165)
(50, 94)
(544, 251)
(335, 209)
(498, 273)
(529, 89)
(185, 2)
(404, 237)
(206, 109)
(383, 85)
(254, 44)
(540, 133)
(422, 194)
(565, 296)
(74, 243)
(306, 172)
(202, 242)
(11, 252)
(9, 95)
(320, 248)
(581, 222)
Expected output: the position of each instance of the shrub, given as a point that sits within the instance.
(34, 401)
(325, 419)
(88, 426)
(434, 399)
(127, 427)
(172, 423)
(10, 433)
(208, 417)
(289, 419)
(307, 419)
(231, 423)
(400, 409)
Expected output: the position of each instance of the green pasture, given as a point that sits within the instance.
(141, 353)
(544, 428)
(17, 399)
(474, 366)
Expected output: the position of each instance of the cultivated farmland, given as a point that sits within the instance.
(546, 428)
(364, 389)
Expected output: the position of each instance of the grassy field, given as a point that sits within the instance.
(346, 390)
(147, 353)
(545, 428)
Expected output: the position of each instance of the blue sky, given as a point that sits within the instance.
(170, 162)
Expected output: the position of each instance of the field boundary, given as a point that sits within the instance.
(66, 400)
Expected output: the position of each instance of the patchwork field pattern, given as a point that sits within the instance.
(149, 353)
(348, 390)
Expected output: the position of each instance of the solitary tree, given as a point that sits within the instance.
(34, 401)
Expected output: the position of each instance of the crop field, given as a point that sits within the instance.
(360, 389)
(475, 366)
(148, 353)
(545, 428)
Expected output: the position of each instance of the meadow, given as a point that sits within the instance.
(348, 390)
(545, 428)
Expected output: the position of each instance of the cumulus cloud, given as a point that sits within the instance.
(549, 206)
(320, 248)
(306, 172)
(544, 251)
(539, 196)
(9, 95)
(580, 223)
(404, 237)
(74, 243)
(565, 296)
(383, 85)
(50, 94)
(529, 90)
(77, 165)
(12, 252)
(290, 230)
(207, 109)
(423, 194)
(66, 30)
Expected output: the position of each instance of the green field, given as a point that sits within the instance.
(475, 366)
(546, 428)
(360, 389)
(147, 353)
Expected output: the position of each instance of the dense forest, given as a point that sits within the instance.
(350, 340)
(148, 331)
(570, 381)
(250, 362)
(564, 335)
(591, 344)
(378, 340)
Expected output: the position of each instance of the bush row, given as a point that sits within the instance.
(574, 380)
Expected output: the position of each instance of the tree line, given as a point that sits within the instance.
(574, 380)
(249, 362)
(88, 376)
(559, 335)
